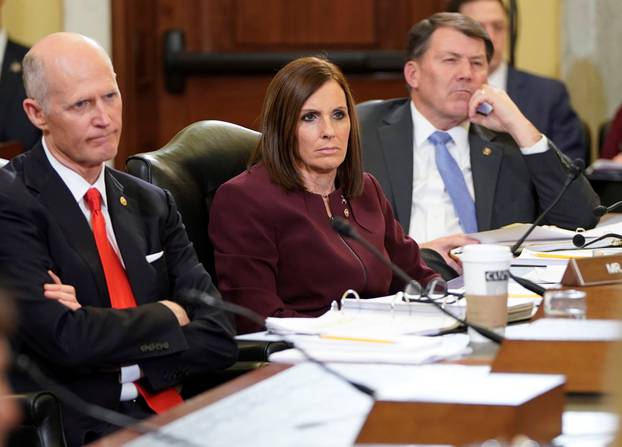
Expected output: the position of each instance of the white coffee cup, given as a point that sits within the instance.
(486, 273)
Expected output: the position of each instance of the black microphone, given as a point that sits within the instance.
(345, 229)
(253, 316)
(25, 364)
(576, 167)
(529, 285)
(601, 210)
(579, 241)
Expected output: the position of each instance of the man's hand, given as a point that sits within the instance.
(178, 311)
(505, 116)
(442, 245)
(64, 294)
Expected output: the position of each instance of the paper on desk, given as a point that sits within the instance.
(418, 351)
(552, 235)
(378, 324)
(302, 406)
(566, 329)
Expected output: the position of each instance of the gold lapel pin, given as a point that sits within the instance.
(15, 67)
(487, 151)
(123, 201)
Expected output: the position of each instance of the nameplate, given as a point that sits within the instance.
(593, 271)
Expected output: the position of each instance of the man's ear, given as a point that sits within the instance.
(35, 113)
(411, 73)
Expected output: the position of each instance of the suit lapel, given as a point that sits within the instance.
(486, 156)
(398, 156)
(53, 194)
(127, 223)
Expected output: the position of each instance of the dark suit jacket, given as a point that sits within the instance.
(276, 252)
(43, 228)
(545, 102)
(14, 124)
(509, 187)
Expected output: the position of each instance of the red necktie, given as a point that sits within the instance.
(121, 295)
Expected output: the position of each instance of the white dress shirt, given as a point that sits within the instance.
(499, 77)
(78, 187)
(432, 213)
(3, 41)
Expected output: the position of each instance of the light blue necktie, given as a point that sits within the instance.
(454, 182)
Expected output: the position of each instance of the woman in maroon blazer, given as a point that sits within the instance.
(275, 250)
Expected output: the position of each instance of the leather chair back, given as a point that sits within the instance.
(41, 424)
(192, 166)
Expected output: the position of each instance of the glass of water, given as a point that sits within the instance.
(565, 304)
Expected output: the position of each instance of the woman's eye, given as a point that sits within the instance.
(339, 114)
(309, 116)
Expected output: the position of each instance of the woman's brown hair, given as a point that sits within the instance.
(278, 145)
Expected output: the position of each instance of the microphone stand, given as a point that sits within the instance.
(344, 229)
(576, 168)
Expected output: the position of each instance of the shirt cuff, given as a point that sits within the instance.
(129, 391)
(542, 145)
(130, 374)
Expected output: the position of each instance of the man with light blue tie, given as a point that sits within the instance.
(447, 168)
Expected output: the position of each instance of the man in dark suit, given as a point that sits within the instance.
(488, 170)
(544, 101)
(14, 124)
(116, 320)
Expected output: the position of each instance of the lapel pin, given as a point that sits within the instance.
(15, 67)
(123, 201)
(487, 151)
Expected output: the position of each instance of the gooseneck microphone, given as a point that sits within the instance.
(579, 241)
(253, 316)
(601, 210)
(576, 167)
(346, 230)
(24, 364)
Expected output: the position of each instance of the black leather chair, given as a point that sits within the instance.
(192, 166)
(41, 424)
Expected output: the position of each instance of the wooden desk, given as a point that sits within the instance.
(604, 302)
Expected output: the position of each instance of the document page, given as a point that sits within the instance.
(302, 406)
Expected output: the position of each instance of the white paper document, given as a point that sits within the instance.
(407, 350)
(567, 329)
(302, 406)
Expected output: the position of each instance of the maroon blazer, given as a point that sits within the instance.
(613, 141)
(277, 254)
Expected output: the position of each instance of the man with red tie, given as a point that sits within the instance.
(116, 319)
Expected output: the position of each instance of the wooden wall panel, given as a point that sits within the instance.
(152, 115)
(327, 23)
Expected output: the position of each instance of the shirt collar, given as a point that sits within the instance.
(499, 77)
(77, 185)
(424, 128)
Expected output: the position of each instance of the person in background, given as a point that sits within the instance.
(14, 124)
(104, 275)
(448, 169)
(612, 146)
(275, 250)
(544, 101)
